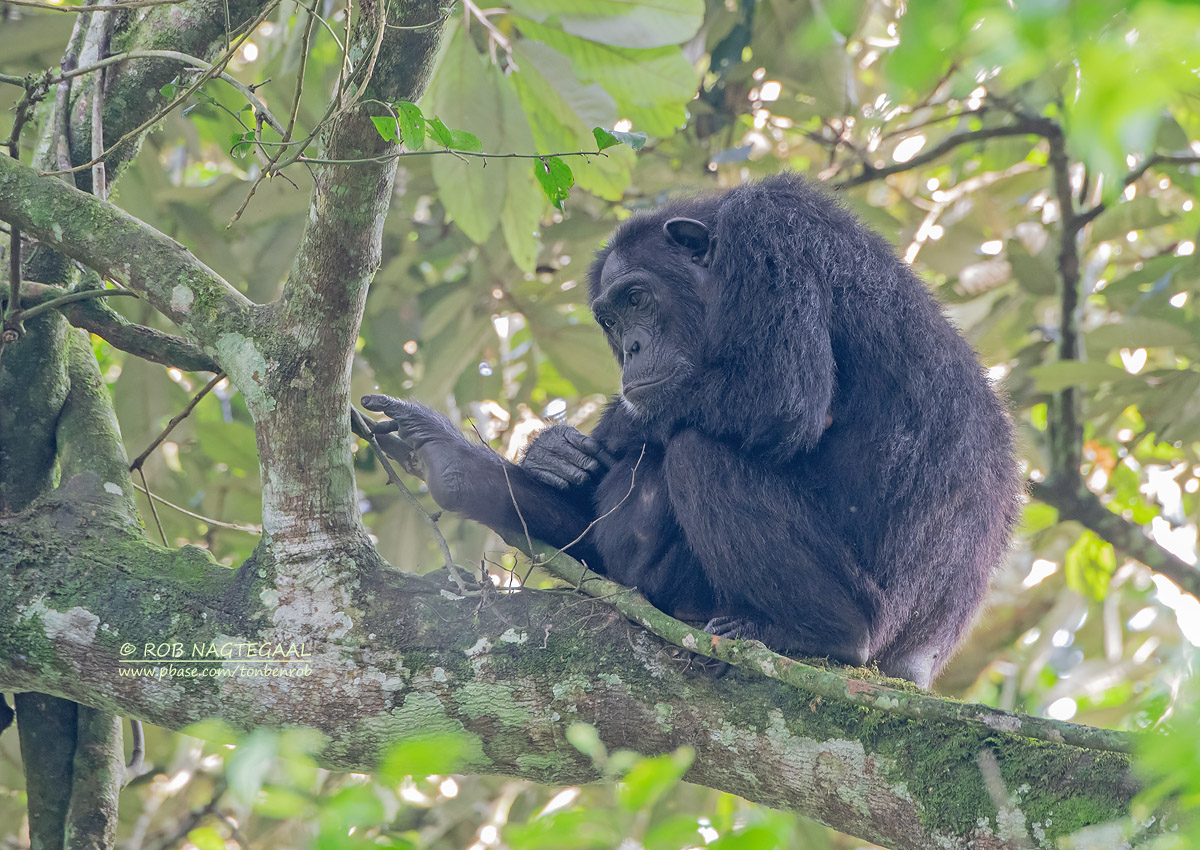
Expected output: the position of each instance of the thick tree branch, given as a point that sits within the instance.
(900, 698)
(1134, 176)
(96, 316)
(1028, 126)
(120, 247)
(510, 675)
(98, 777)
(1075, 502)
(324, 297)
(47, 728)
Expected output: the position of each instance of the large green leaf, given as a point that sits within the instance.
(1137, 332)
(1052, 377)
(651, 87)
(562, 112)
(520, 218)
(465, 95)
(625, 23)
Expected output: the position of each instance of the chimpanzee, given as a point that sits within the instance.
(804, 451)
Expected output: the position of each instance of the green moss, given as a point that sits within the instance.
(552, 762)
(483, 699)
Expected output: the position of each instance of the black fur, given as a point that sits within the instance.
(805, 452)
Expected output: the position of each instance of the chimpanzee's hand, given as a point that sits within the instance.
(563, 457)
(442, 450)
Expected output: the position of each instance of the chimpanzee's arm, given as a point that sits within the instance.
(475, 481)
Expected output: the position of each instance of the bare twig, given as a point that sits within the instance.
(1132, 177)
(137, 752)
(232, 526)
(608, 513)
(179, 417)
(72, 298)
(1028, 126)
(364, 429)
(145, 488)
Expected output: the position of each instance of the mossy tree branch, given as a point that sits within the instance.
(511, 674)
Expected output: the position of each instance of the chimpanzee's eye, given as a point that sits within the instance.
(636, 297)
(606, 323)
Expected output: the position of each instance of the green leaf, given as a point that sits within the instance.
(440, 132)
(561, 112)
(461, 140)
(206, 838)
(466, 93)
(241, 144)
(650, 87)
(579, 352)
(585, 738)
(604, 139)
(650, 778)
(169, 91)
(1033, 272)
(1053, 377)
(750, 838)
(556, 179)
(609, 138)
(444, 752)
(412, 125)
(672, 833)
(627, 23)
(573, 829)
(282, 803)
(355, 805)
(250, 763)
(388, 128)
(1089, 565)
(521, 217)
(1138, 332)
(1141, 213)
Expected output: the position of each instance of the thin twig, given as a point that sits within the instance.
(99, 32)
(1026, 127)
(456, 152)
(214, 71)
(1132, 177)
(364, 427)
(153, 510)
(606, 514)
(232, 526)
(71, 298)
(179, 417)
(137, 751)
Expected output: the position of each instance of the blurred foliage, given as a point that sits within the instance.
(479, 309)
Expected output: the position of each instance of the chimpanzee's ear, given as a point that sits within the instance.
(690, 234)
